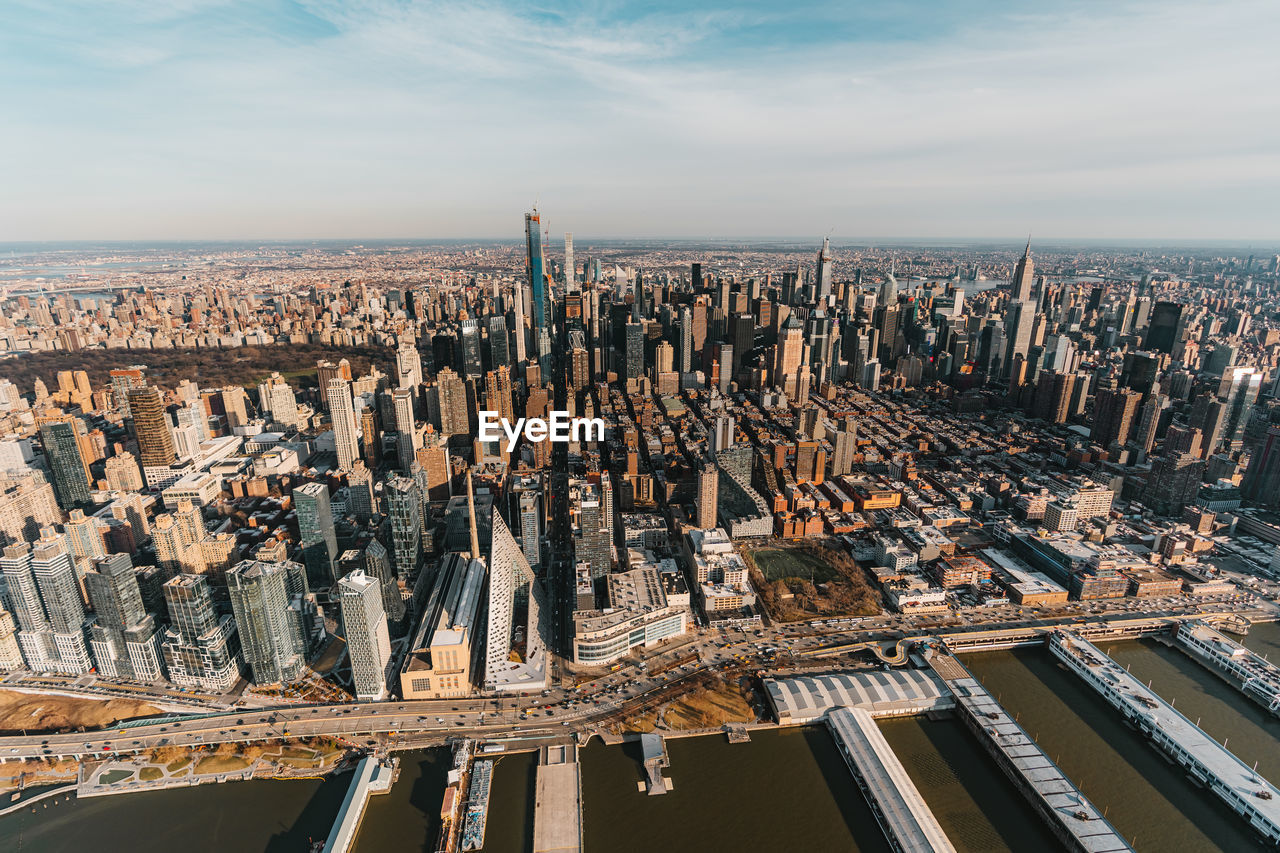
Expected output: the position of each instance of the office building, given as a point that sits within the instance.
(346, 438)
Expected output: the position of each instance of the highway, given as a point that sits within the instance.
(553, 712)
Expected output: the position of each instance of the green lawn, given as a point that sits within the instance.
(781, 563)
(150, 774)
(113, 776)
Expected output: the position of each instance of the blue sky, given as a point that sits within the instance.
(221, 119)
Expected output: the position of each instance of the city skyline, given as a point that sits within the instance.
(307, 121)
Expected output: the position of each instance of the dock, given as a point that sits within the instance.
(477, 815)
(1250, 673)
(906, 820)
(371, 777)
(1206, 761)
(655, 759)
(557, 817)
(1072, 818)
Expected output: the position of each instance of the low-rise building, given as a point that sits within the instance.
(638, 615)
(444, 649)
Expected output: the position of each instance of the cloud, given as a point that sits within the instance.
(331, 119)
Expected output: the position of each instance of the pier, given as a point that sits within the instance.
(655, 758)
(557, 817)
(906, 820)
(1251, 674)
(371, 777)
(1073, 819)
(1205, 760)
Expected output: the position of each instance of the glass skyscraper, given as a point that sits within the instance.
(66, 464)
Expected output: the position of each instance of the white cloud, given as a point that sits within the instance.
(430, 119)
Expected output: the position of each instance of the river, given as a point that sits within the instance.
(1148, 799)
(276, 817)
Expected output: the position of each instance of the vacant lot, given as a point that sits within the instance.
(809, 581)
(707, 708)
(38, 712)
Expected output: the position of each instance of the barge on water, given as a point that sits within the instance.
(477, 805)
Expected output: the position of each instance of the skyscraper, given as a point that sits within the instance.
(377, 564)
(1053, 396)
(634, 364)
(404, 513)
(788, 354)
(1114, 415)
(1238, 392)
(364, 626)
(124, 381)
(42, 587)
(1165, 327)
(511, 583)
(708, 494)
(591, 541)
(277, 398)
(822, 281)
(499, 348)
(1018, 323)
(151, 426)
(537, 285)
(123, 636)
(1262, 477)
(684, 352)
(1024, 274)
(342, 412)
(408, 363)
(497, 393)
(201, 649)
(271, 635)
(315, 528)
(406, 432)
(529, 507)
(472, 363)
(66, 463)
(570, 272)
(451, 403)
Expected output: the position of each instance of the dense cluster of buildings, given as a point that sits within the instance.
(1080, 430)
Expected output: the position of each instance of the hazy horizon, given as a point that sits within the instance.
(319, 119)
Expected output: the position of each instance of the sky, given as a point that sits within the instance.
(331, 119)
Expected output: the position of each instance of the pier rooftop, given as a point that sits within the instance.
(902, 812)
(557, 820)
(1239, 785)
(884, 694)
(1071, 809)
